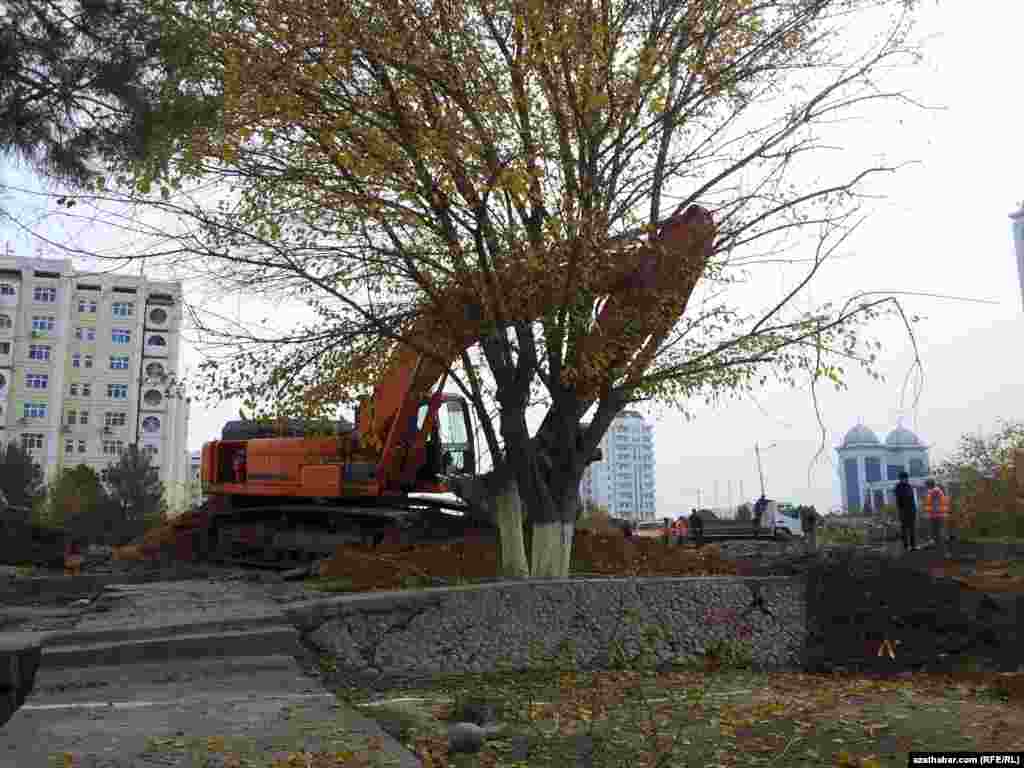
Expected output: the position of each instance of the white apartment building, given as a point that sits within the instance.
(623, 480)
(88, 366)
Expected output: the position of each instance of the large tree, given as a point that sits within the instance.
(982, 474)
(481, 168)
(81, 84)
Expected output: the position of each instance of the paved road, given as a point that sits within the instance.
(256, 699)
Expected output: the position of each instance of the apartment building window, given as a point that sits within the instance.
(117, 391)
(5, 322)
(72, 417)
(43, 323)
(6, 289)
(5, 347)
(32, 441)
(34, 411)
(157, 341)
(119, 362)
(151, 424)
(113, 447)
(37, 380)
(83, 417)
(76, 360)
(81, 446)
(149, 450)
(38, 352)
(115, 418)
(73, 390)
(86, 390)
(69, 446)
(120, 336)
(88, 361)
(85, 334)
(87, 306)
(123, 308)
(44, 293)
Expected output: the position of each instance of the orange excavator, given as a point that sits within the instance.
(279, 500)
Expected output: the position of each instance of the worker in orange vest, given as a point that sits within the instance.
(938, 512)
(681, 529)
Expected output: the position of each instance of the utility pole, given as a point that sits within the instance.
(760, 471)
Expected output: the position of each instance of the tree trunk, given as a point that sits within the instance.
(509, 513)
(551, 549)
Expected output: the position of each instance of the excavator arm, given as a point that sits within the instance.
(647, 291)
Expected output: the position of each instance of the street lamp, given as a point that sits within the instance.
(760, 471)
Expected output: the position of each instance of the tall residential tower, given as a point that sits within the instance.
(623, 480)
(88, 365)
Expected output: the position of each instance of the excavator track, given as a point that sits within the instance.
(275, 538)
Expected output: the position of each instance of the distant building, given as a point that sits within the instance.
(868, 468)
(1018, 244)
(623, 480)
(88, 365)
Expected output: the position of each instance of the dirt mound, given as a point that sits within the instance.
(393, 566)
(171, 534)
(614, 555)
(983, 576)
(476, 558)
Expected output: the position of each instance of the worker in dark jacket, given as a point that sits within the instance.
(697, 528)
(760, 507)
(906, 504)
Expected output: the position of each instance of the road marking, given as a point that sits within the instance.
(144, 704)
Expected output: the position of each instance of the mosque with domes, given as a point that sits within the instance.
(869, 468)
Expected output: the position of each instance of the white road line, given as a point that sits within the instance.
(144, 704)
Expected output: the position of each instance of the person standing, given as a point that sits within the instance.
(938, 512)
(906, 504)
(809, 523)
(759, 509)
(697, 527)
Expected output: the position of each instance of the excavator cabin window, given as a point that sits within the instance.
(454, 431)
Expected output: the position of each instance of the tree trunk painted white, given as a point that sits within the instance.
(509, 511)
(552, 549)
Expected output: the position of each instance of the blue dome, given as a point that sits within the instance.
(860, 435)
(901, 437)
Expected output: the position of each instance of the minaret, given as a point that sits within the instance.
(1018, 243)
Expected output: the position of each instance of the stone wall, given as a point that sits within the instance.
(383, 639)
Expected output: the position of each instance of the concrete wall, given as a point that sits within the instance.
(384, 639)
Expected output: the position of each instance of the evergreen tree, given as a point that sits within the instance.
(21, 478)
(81, 82)
(135, 488)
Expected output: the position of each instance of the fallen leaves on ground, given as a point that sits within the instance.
(737, 720)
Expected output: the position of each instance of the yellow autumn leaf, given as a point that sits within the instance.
(215, 744)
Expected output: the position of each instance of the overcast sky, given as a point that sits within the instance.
(942, 229)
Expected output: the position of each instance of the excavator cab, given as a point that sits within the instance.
(455, 436)
(448, 448)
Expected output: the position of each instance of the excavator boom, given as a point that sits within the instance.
(397, 445)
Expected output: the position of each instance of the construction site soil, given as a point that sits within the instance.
(475, 558)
